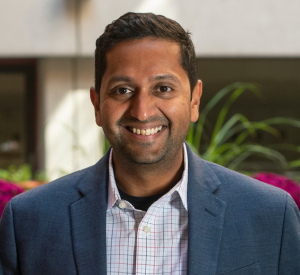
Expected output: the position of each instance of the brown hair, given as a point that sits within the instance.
(139, 25)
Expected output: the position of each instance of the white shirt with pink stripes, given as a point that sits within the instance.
(152, 242)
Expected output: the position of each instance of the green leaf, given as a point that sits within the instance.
(263, 151)
(224, 134)
(283, 120)
(222, 115)
(294, 164)
(232, 154)
(203, 114)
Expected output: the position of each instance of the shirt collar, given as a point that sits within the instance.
(180, 187)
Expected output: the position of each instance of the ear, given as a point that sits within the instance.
(96, 103)
(195, 102)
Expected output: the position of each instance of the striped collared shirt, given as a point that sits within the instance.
(152, 242)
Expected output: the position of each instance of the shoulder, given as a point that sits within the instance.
(67, 188)
(59, 194)
(242, 191)
(234, 188)
(65, 184)
(240, 182)
(223, 182)
(257, 217)
(60, 191)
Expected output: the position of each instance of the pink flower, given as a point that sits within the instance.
(290, 186)
(7, 191)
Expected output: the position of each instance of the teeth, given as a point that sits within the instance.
(146, 132)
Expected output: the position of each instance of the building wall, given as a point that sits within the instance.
(219, 27)
(61, 35)
(71, 138)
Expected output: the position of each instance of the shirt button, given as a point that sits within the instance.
(146, 229)
(122, 205)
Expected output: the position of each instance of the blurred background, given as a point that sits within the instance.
(47, 67)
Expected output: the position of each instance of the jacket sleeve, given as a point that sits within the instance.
(8, 250)
(289, 261)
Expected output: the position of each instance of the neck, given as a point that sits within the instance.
(141, 180)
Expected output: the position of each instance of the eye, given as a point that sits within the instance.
(122, 91)
(164, 89)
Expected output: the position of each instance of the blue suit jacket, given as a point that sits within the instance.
(237, 225)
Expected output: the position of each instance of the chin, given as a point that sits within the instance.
(143, 158)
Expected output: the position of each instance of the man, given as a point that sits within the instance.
(149, 206)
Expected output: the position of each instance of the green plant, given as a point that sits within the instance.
(40, 176)
(16, 174)
(228, 144)
(21, 174)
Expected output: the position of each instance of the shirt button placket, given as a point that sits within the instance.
(141, 250)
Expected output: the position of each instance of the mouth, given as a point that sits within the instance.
(145, 132)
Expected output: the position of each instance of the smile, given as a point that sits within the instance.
(146, 132)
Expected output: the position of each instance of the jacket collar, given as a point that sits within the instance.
(205, 211)
(88, 216)
(206, 215)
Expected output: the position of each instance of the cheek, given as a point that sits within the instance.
(177, 113)
(110, 114)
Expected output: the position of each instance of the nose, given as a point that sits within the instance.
(142, 106)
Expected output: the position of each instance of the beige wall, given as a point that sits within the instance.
(72, 140)
(219, 27)
(54, 31)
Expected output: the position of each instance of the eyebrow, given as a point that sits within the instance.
(120, 78)
(163, 77)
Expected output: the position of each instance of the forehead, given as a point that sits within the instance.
(145, 43)
(147, 55)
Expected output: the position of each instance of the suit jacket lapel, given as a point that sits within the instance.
(206, 215)
(88, 221)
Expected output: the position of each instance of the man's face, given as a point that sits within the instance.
(145, 104)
